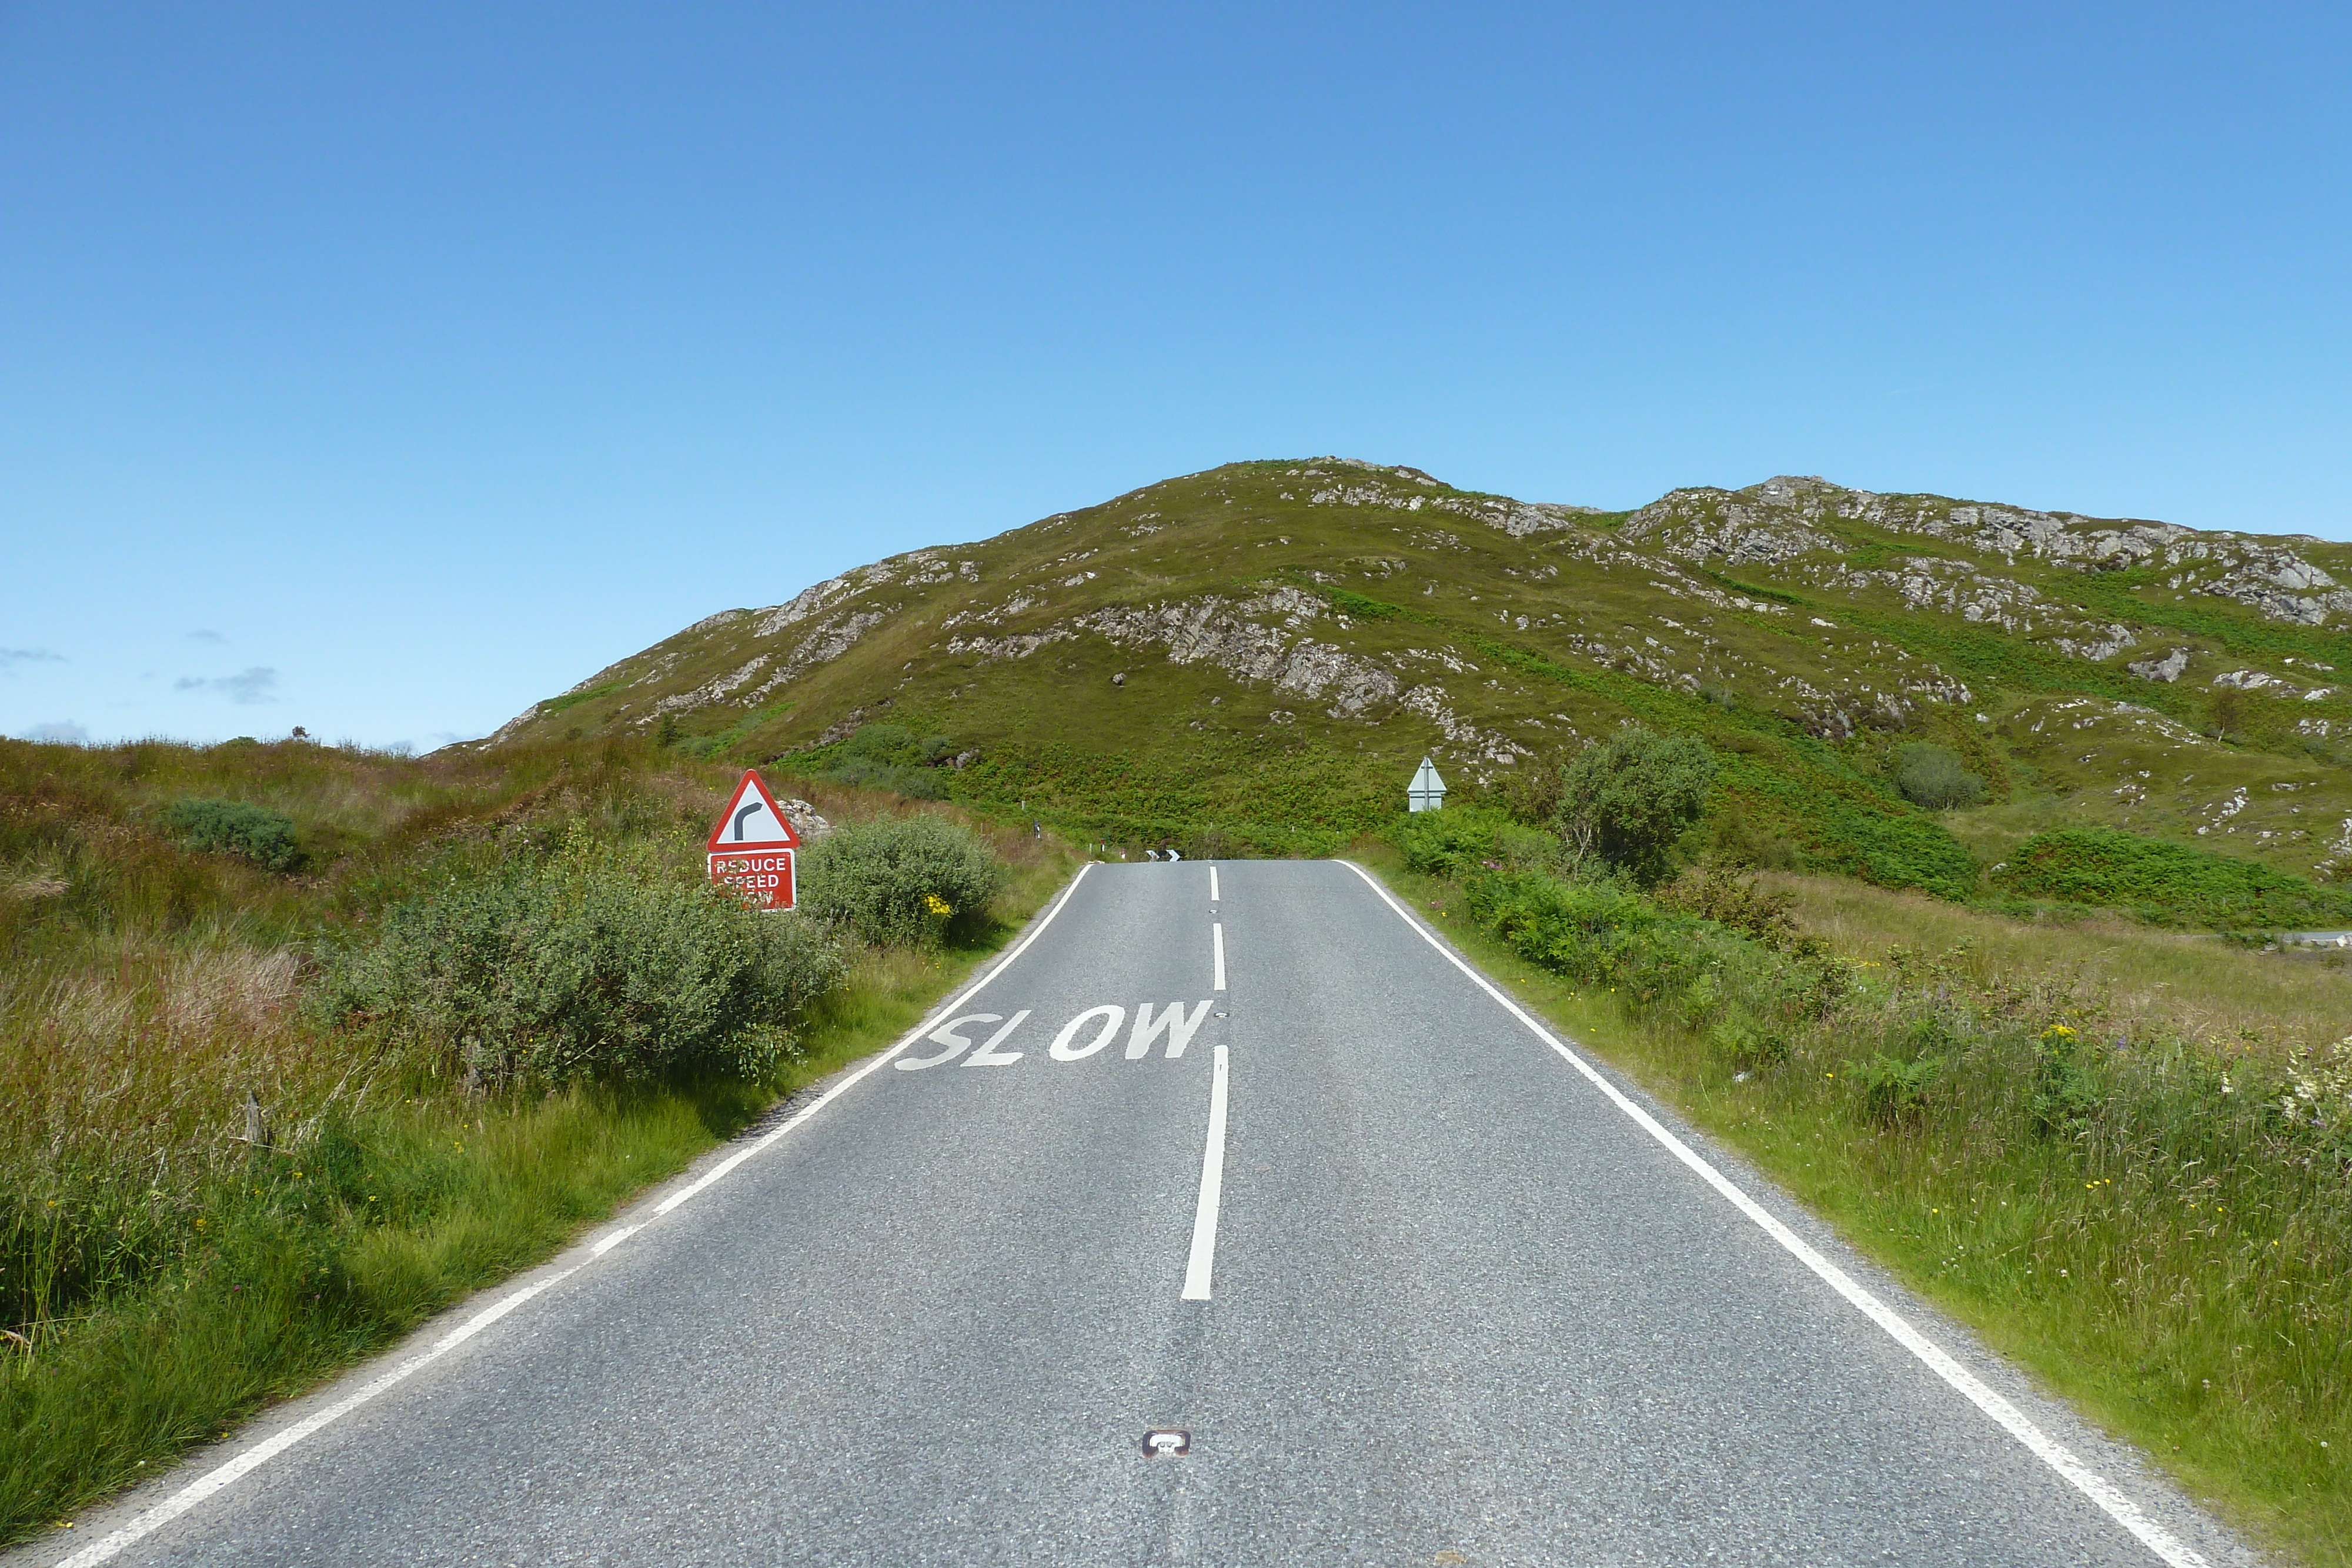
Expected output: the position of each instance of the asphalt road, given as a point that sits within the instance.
(1462, 1306)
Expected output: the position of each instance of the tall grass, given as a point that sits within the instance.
(211, 1194)
(2157, 1220)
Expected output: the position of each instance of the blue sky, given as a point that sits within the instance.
(384, 369)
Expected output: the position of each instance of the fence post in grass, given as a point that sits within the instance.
(257, 1130)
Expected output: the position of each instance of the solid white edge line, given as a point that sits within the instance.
(1217, 947)
(726, 1167)
(252, 1459)
(1213, 1186)
(261, 1453)
(2119, 1507)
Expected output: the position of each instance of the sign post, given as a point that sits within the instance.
(752, 846)
(1427, 791)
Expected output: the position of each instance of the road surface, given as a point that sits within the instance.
(1229, 1220)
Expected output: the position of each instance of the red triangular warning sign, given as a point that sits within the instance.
(753, 820)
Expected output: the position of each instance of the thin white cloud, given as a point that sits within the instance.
(203, 636)
(65, 732)
(248, 687)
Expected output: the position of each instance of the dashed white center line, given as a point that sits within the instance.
(1217, 948)
(1212, 1183)
(1212, 884)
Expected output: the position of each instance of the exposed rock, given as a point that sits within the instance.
(1215, 632)
(710, 692)
(1017, 647)
(2167, 669)
(2270, 579)
(1517, 518)
(824, 643)
(803, 604)
(1485, 744)
(804, 818)
(1697, 525)
(2105, 643)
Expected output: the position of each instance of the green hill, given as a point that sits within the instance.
(1255, 656)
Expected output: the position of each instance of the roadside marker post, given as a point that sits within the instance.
(1427, 791)
(752, 846)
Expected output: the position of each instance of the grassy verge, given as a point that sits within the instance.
(2192, 983)
(212, 1195)
(314, 1260)
(2166, 1260)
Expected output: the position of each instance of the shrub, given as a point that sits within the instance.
(1597, 931)
(2167, 881)
(1457, 840)
(892, 756)
(1702, 1002)
(1749, 1046)
(232, 827)
(1906, 851)
(1628, 800)
(1934, 778)
(1740, 833)
(1717, 894)
(1530, 795)
(593, 963)
(2065, 1093)
(1894, 1093)
(902, 882)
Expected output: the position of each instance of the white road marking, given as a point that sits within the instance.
(261, 1453)
(2119, 1507)
(988, 1055)
(727, 1166)
(1063, 1051)
(951, 1035)
(108, 1546)
(1212, 884)
(1172, 1023)
(1217, 945)
(1212, 1184)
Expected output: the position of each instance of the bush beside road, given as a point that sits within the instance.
(2150, 1210)
(254, 1125)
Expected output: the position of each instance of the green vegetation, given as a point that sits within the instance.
(1460, 840)
(890, 757)
(2157, 1220)
(2166, 882)
(1256, 655)
(2137, 593)
(420, 1062)
(231, 827)
(718, 747)
(1630, 798)
(568, 700)
(252, 1127)
(598, 960)
(906, 881)
(1934, 779)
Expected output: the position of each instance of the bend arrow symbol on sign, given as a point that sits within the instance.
(756, 863)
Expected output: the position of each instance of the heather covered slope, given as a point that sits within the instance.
(1262, 651)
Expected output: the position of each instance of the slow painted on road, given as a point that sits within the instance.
(1247, 1229)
